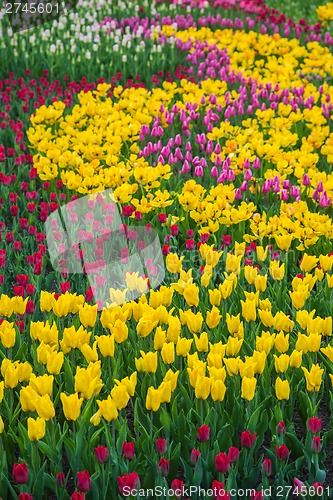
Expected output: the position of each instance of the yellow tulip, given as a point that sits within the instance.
(147, 362)
(183, 346)
(281, 363)
(313, 377)
(295, 360)
(308, 262)
(282, 342)
(71, 405)
(108, 409)
(191, 295)
(120, 331)
(249, 310)
(44, 407)
(120, 396)
(36, 428)
(168, 353)
(248, 388)
(153, 399)
(276, 271)
(218, 390)
(282, 389)
(54, 362)
(202, 387)
(213, 317)
(201, 343)
(106, 345)
(159, 338)
(214, 297)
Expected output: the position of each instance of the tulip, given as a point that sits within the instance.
(248, 388)
(128, 450)
(83, 481)
(281, 429)
(282, 389)
(164, 467)
(247, 439)
(20, 473)
(282, 452)
(195, 454)
(222, 462)
(161, 446)
(299, 487)
(77, 496)
(233, 454)
(108, 409)
(71, 405)
(266, 467)
(313, 378)
(25, 496)
(316, 444)
(131, 480)
(314, 424)
(60, 480)
(203, 433)
(101, 454)
(36, 428)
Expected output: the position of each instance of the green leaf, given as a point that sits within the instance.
(38, 487)
(165, 422)
(51, 455)
(198, 473)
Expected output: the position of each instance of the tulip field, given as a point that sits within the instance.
(201, 130)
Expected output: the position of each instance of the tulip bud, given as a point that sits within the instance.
(128, 450)
(101, 454)
(195, 454)
(222, 462)
(161, 446)
(247, 439)
(83, 481)
(281, 429)
(282, 452)
(164, 467)
(60, 480)
(316, 444)
(266, 467)
(20, 473)
(203, 433)
(233, 454)
(314, 425)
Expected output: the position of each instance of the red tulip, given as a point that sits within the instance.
(177, 486)
(20, 473)
(83, 481)
(161, 446)
(247, 439)
(314, 425)
(25, 496)
(164, 466)
(222, 462)
(203, 433)
(130, 480)
(195, 454)
(102, 454)
(316, 444)
(233, 454)
(282, 452)
(128, 450)
(266, 467)
(281, 428)
(60, 479)
(77, 496)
